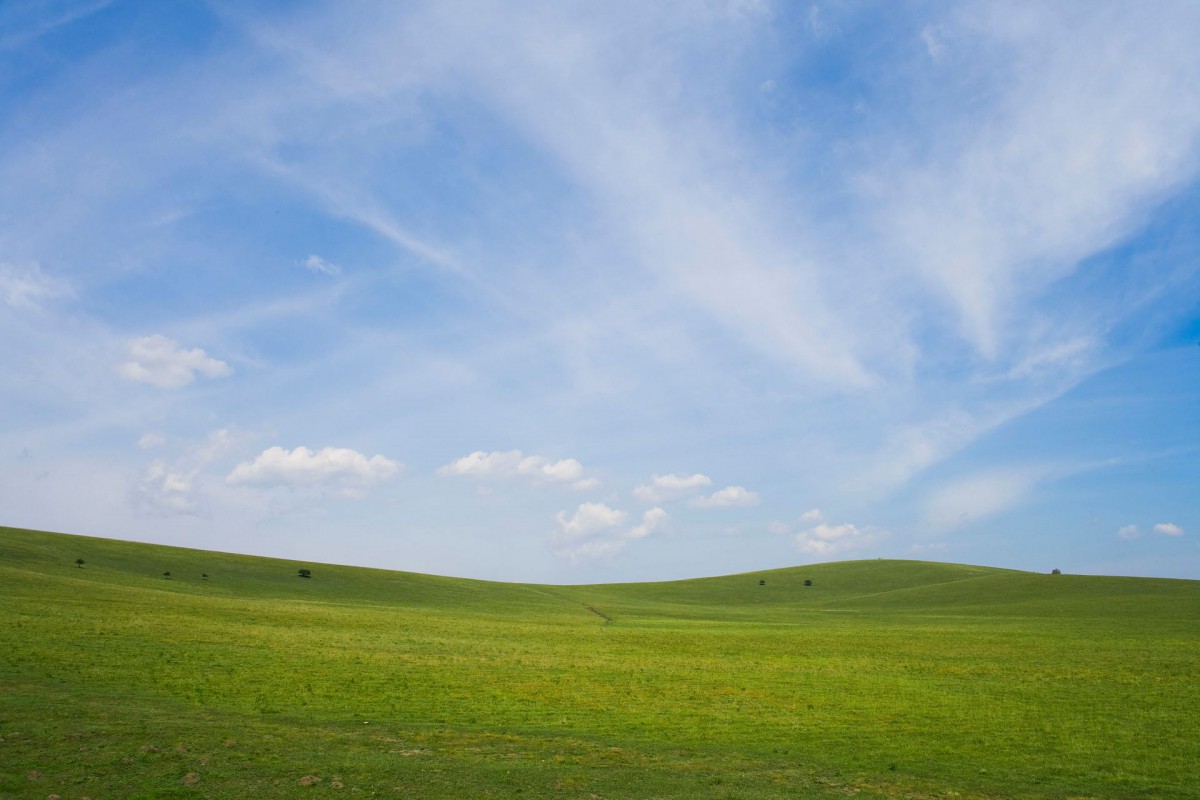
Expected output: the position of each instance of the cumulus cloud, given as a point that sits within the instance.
(160, 362)
(315, 263)
(597, 531)
(729, 497)
(539, 470)
(812, 515)
(652, 520)
(670, 487)
(826, 540)
(1168, 529)
(28, 287)
(588, 519)
(1129, 532)
(348, 471)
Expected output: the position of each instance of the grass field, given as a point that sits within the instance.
(897, 679)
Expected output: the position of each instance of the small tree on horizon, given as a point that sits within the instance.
(1056, 571)
(79, 562)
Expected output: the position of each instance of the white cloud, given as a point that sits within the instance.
(539, 470)
(28, 287)
(670, 487)
(160, 362)
(812, 515)
(179, 487)
(337, 467)
(597, 531)
(652, 521)
(826, 540)
(149, 441)
(588, 519)
(1129, 532)
(162, 490)
(729, 497)
(315, 263)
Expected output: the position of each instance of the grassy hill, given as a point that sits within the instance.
(881, 679)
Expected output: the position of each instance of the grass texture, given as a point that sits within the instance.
(883, 679)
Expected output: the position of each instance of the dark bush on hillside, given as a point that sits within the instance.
(808, 583)
(762, 583)
(304, 573)
(167, 575)
(1056, 571)
(79, 562)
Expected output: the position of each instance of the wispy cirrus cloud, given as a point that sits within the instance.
(28, 287)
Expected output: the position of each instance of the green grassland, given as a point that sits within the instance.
(898, 679)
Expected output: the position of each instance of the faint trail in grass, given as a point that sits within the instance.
(607, 619)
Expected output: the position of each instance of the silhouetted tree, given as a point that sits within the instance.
(762, 583)
(204, 575)
(167, 575)
(305, 573)
(1056, 571)
(808, 583)
(79, 562)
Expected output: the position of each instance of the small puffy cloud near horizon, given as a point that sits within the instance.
(538, 470)
(1129, 532)
(729, 497)
(670, 487)
(347, 470)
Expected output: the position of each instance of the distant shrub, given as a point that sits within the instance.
(808, 583)
(304, 573)
(204, 575)
(79, 562)
(762, 583)
(1056, 571)
(167, 575)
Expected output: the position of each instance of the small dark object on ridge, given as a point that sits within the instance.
(79, 562)
(762, 583)
(1056, 571)
(304, 573)
(808, 583)
(167, 575)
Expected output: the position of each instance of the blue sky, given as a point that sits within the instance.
(573, 292)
